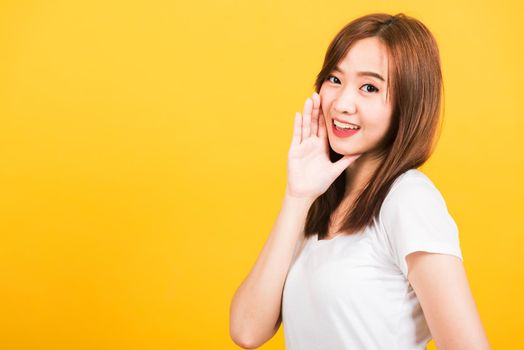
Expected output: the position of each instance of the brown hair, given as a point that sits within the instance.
(415, 78)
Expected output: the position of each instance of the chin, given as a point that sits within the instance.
(345, 151)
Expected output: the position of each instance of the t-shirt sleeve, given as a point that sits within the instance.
(415, 217)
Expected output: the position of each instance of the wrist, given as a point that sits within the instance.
(298, 200)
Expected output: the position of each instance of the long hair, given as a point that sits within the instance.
(415, 82)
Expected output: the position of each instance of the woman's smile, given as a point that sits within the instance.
(343, 132)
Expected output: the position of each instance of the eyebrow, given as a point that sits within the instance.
(364, 73)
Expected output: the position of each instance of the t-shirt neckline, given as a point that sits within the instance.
(327, 240)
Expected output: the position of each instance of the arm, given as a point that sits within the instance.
(441, 285)
(255, 312)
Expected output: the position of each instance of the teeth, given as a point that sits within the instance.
(345, 126)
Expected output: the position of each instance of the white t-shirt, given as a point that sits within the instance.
(352, 291)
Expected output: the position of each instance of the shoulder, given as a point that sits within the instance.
(413, 188)
(414, 217)
(410, 178)
(414, 206)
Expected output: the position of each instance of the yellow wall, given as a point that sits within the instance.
(144, 148)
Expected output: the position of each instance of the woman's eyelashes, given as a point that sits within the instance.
(374, 88)
(331, 76)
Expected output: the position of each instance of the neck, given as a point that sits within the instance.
(359, 173)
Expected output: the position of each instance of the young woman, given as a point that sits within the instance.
(364, 253)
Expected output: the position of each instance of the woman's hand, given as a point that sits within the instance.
(310, 170)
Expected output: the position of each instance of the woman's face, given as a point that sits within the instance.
(351, 95)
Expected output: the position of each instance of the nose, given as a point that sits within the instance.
(345, 101)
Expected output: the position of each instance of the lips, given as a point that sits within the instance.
(343, 133)
(347, 122)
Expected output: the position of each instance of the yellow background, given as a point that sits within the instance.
(144, 148)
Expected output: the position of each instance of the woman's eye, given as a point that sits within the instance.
(332, 76)
(374, 89)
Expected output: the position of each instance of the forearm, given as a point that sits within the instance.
(255, 308)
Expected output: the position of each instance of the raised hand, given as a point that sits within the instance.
(310, 171)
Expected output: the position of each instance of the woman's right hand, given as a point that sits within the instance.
(310, 170)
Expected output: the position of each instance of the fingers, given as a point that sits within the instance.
(297, 129)
(306, 121)
(321, 124)
(340, 165)
(310, 122)
(314, 114)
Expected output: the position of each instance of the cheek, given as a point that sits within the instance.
(378, 116)
(376, 123)
(325, 102)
